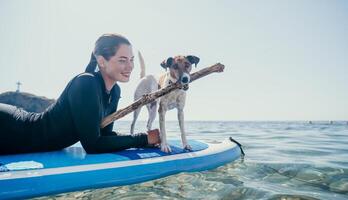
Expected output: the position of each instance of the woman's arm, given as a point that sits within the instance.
(86, 107)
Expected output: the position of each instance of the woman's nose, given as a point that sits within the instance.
(130, 65)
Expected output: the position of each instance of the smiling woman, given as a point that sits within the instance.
(77, 114)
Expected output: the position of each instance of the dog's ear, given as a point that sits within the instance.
(193, 59)
(167, 63)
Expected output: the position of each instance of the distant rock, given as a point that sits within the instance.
(27, 101)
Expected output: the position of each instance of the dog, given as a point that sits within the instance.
(177, 70)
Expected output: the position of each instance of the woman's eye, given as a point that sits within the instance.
(122, 61)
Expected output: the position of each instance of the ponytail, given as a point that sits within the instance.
(92, 65)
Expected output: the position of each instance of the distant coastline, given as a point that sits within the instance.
(27, 101)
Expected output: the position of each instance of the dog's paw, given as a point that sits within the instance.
(166, 148)
(188, 147)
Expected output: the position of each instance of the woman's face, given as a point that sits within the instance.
(119, 67)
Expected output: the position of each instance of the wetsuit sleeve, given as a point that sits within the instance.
(108, 130)
(85, 105)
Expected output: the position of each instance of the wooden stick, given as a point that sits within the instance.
(148, 98)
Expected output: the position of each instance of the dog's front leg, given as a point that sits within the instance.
(152, 108)
(164, 145)
(182, 129)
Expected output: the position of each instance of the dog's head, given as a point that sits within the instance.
(180, 67)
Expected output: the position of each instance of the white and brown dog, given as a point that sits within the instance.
(179, 70)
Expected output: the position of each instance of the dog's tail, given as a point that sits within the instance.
(142, 65)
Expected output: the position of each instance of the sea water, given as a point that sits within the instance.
(284, 160)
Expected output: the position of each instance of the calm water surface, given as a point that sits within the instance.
(284, 160)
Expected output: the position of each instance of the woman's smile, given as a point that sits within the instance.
(126, 74)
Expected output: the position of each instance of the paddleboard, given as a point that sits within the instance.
(71, 169)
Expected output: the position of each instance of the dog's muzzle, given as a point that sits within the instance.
(185, 78)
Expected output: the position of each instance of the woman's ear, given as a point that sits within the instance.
(101, 61)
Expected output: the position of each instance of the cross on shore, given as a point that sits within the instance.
(18, 85)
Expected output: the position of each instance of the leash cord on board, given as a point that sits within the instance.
(239, 145)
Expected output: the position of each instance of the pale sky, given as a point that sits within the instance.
(285, 60)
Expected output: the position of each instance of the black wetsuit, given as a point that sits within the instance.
(76, 116)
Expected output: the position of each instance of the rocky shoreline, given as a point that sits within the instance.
(27, 101)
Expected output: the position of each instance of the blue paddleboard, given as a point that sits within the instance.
(71, 169)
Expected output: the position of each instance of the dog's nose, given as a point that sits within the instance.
(185, 79)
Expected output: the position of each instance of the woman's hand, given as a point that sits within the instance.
(153, 137)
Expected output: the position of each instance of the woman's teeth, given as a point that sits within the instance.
(126, 74)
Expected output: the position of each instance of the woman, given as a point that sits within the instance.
(77, 114)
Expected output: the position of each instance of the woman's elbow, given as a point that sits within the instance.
(90, 148)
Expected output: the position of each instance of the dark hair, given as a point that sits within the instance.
(105, 46)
